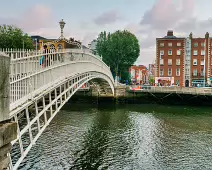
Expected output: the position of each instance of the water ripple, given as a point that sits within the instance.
(124, 138)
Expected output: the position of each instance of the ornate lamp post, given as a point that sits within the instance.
(62, 25)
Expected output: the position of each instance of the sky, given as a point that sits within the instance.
(85, 19)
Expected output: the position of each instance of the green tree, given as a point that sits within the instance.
(152, 80)
(119, 50)
(13, 37)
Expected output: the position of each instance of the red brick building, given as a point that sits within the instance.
(139, 74)
(180, 60)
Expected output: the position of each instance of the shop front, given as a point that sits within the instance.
(164, 81)
(198, 83)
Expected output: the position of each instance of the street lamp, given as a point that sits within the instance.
(62, 25)
(36, 45)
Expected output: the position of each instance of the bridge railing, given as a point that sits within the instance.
(34, 71)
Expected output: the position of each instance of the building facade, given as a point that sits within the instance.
(183, 61)
(92, 46)
(152, 69)
(139, 74)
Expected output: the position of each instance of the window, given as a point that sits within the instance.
(195, 44)
(195, 52)
(161, 44)
(161, 72)
(202, 62)
(202, 72)
(178, 52)
(161, 62)
(202, 44)
(170, 44)
(195, 72)
(195, 62)
(178, 44)
(177, 62)
(161, 53)
(202, 52)
(169, 61)
(169, 71)
(170, 52)
(178, 72)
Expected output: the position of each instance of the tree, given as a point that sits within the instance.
(13, 37)
(119, 50)
(152, 80)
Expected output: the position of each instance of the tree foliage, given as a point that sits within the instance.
(119, 50)
(13, 37)
(152, 80)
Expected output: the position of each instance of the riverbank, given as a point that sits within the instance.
(124, 96)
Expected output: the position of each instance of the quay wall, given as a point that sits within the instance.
(169, 95)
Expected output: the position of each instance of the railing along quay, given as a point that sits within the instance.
(174, 89)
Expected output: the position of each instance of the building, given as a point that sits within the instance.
(170, 60)
(92, 46)
(183, 61)
(152, 69)
(139, 74)
(36, 39)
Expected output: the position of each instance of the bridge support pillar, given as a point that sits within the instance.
(4, 86)
(8, 129)
(8, 133)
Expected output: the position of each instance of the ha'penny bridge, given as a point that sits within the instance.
(33, 92)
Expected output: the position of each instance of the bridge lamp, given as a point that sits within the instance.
(62, 25)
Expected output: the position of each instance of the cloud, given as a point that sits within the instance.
(35, 19)
(38, 16)
(108, 17)
(165, 14)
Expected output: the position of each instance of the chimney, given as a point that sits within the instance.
(207, 35)
(170, 33)
(191, 35)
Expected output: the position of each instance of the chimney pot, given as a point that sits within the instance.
(170, 33)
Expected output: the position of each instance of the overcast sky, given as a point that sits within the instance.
(147, 19)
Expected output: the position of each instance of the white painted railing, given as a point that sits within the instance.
(29, 76)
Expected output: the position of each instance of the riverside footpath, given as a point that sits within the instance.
(149, 95)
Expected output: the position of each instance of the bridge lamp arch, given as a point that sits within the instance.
(52, 47)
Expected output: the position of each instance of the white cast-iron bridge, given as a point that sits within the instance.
(39, 89)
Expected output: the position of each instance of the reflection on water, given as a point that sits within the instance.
(128, 137)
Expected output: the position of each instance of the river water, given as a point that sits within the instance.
(126, 137)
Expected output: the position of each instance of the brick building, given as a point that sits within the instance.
(139, 74)
(152, 70)
(180, 60)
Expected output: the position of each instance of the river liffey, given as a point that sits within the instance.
(128, 137)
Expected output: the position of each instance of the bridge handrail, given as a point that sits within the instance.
(26, 68)
(31, 53)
